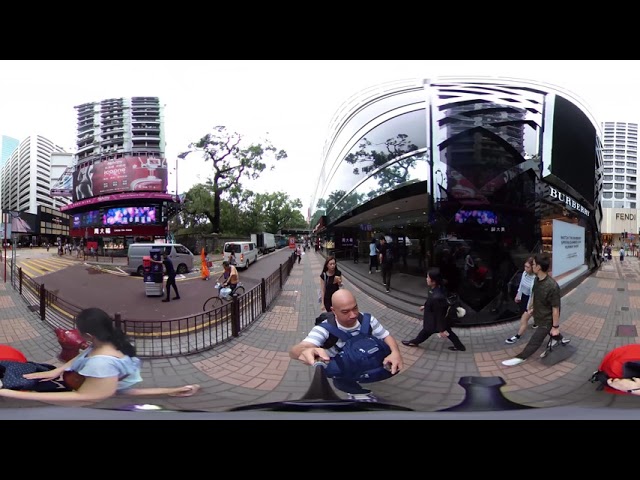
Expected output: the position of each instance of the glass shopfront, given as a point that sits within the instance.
(470, 185)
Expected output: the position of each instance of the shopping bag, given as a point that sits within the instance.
(556, 353)
(209, 264)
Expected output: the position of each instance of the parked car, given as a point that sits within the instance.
(180, 255)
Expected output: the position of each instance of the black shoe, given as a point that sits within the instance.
(166, 300)
(456, 349)
(409, 343)
(176, 298)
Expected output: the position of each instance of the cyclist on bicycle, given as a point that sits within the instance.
(230, 276)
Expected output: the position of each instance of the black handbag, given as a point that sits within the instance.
(556, 350)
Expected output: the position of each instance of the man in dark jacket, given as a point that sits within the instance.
(386, 262)
(171, 276)
(434, 314)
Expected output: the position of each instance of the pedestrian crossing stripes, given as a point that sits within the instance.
(37, 267)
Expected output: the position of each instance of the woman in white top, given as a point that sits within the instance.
(523, 299)
(373, 255)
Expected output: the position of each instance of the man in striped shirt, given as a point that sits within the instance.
(345, 308)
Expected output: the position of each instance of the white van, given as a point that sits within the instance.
(180, 255)
(246, 253)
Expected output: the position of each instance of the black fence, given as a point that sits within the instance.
(165, 338)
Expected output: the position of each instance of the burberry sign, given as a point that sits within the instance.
(567, 200)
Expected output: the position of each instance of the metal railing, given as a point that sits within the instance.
(165, 338)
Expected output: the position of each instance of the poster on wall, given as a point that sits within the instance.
(63, 187)
(568, 247)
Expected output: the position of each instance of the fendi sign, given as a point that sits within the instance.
(567, 200)
(625, 216)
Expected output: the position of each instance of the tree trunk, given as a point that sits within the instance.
(216, 212)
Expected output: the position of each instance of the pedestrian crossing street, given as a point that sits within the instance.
(37, 267)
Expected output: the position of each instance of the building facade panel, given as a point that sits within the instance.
(119, 181)
(479, 173)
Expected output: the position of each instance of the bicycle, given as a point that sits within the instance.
(217, 301)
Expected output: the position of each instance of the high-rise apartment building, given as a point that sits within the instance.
(119, 178)
(26, 176)
(619, 192)
(120, 125)
(620, 155)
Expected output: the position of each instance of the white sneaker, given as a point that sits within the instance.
(512, 362)
(511, 340)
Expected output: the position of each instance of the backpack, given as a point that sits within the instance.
(621, 362)
(361, 357)
(388, 254)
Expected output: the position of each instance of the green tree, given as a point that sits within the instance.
(233, 211)
(270, 212)
(198, 208)
(231, 162)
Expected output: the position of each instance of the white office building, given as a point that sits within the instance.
(26, 176)
(620, 183)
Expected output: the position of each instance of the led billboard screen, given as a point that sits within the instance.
(124, 174)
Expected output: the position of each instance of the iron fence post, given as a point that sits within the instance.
(235, 316)
(263, 293)
(42, 302)
(20, 280)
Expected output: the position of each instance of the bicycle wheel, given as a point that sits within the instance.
(239, 291)
(211, 304)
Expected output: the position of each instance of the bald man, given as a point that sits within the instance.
(348, 317)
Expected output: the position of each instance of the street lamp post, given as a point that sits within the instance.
(5, 217)
(181, 156)
(4, 239)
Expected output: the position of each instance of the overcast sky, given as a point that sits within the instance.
(288, 101)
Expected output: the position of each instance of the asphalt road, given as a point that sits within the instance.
(86, 286)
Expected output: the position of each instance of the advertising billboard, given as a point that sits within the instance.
(568, 247)
(63, 187)
(124, 174)
(130, 216)
(21, 222)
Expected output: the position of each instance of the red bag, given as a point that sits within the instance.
(72, 379)
(613, 363)
(10, 353)
(209, 264)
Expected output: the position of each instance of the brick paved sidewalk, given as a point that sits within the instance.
(598, 315)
